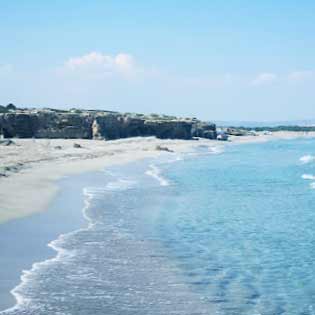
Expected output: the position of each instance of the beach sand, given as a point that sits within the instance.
(39, 177)
(29, 168)
(24, 241)
(37, 169)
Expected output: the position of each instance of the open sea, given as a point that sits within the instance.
(229, 231)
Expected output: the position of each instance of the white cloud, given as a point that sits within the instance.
(125, 62)
(98, 64)
(122, 66)
(264, 78)
(298, 76)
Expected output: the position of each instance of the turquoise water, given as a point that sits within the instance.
(242, 228)
(230, 233)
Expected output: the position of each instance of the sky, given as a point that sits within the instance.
(212, 59)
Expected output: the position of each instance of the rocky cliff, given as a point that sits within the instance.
(78, 124)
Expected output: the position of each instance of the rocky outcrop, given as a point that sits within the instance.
(204, 130)
(20, 125)
(75, 124)
(45, 125)
(236, 132)
(171, 129)
(112, 126)
(63, 125)
(8, 108)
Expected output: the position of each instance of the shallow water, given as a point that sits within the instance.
(229, 233)
(243, 232)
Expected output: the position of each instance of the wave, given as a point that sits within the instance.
(312, 185)
(216, 150)
(155, 172)
(176, 158)
(308, 176)
(307, 159)
(121, 184)
(63, 254)
(22, 301)
(205, 151)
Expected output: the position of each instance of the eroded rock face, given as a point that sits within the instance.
(172, 129)
(20, 125)
(67, 126)
(204, 130)
(113, 126)
(236, 132)
(98, 125)
(46, 125)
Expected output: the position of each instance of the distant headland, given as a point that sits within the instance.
(97, 124)
(50, 123)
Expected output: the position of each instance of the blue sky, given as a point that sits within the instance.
(220, 60)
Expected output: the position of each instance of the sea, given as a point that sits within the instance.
(227, 231)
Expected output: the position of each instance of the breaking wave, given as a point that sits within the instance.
(307, 159)
(308, 176)
(22, 293)
(155, 172)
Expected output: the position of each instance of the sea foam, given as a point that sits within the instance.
(308, 176)
(307, 159)
(24, 302)
(216, 149)
(155, 172)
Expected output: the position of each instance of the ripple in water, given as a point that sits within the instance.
(114, 266)
(233, 234)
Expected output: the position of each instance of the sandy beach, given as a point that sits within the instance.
(43, 174)
(29, 168)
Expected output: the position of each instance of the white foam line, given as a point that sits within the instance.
(62, 254)
(308, 176)
(120, 184)
(27, 274)
(212, 150)
(155, 172)
(217, 150)
(89, 193)
(307, 159)
(176, 158)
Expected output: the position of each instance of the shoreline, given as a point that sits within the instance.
(279, 135)
(55, 180)
(50, 250)
(34, 237)
(43, 165)
(38, 164)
